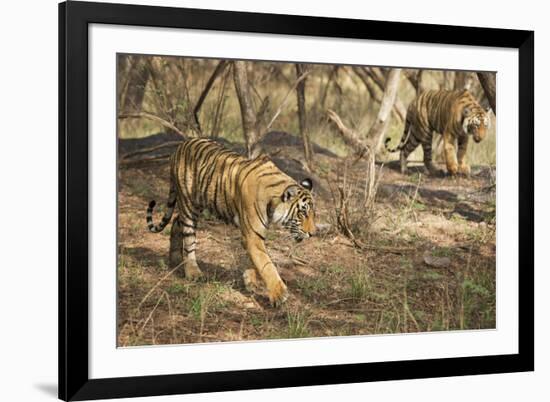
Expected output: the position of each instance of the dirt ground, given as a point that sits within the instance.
(427, 261)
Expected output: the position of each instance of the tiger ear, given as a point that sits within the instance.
(307, 184)
(289, 193)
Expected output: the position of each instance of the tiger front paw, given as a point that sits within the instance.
(278, 294)
(251, 280)
(192, 271)
(464, 169)
(452, 169)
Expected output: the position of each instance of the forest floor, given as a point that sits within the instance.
(427, 261)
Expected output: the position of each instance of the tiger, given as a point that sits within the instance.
(248, 193)
(456, 115)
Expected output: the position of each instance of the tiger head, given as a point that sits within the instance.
(295, 210)
(475, 122)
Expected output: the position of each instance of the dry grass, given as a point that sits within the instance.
(336, 289)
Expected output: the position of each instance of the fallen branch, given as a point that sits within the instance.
(350, 137)
(388, 249)
(151, 149)
(298, 260)
(144, 160)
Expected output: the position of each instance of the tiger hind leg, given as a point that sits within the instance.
(175, 256)
(187, 233)
(403, 162)
(428, 161)
(406, 150)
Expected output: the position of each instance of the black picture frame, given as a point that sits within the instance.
(74, 381)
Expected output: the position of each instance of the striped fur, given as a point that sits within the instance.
(456, 115)
(251, 194)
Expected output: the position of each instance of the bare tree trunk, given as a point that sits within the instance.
(422, 81)
(488, 82)
(123, 66)
(380, 79)
(248, 116)
(464, 80)
(132, 97)
(302, 118)
(378, 129)
(448, 80)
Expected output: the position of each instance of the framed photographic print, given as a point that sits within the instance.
(258, 201)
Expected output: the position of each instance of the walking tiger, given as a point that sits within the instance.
(456, 115)
(249, 193)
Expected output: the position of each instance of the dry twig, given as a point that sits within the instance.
(285, 100)
(154, 117)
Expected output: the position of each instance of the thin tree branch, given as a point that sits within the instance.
(153, 117)
(373, 84)
(217, 71)
(412, 76)
(285, 99)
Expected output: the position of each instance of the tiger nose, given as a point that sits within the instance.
(309, 227)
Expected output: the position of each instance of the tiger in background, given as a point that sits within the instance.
(249, 193)
(456, 115)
